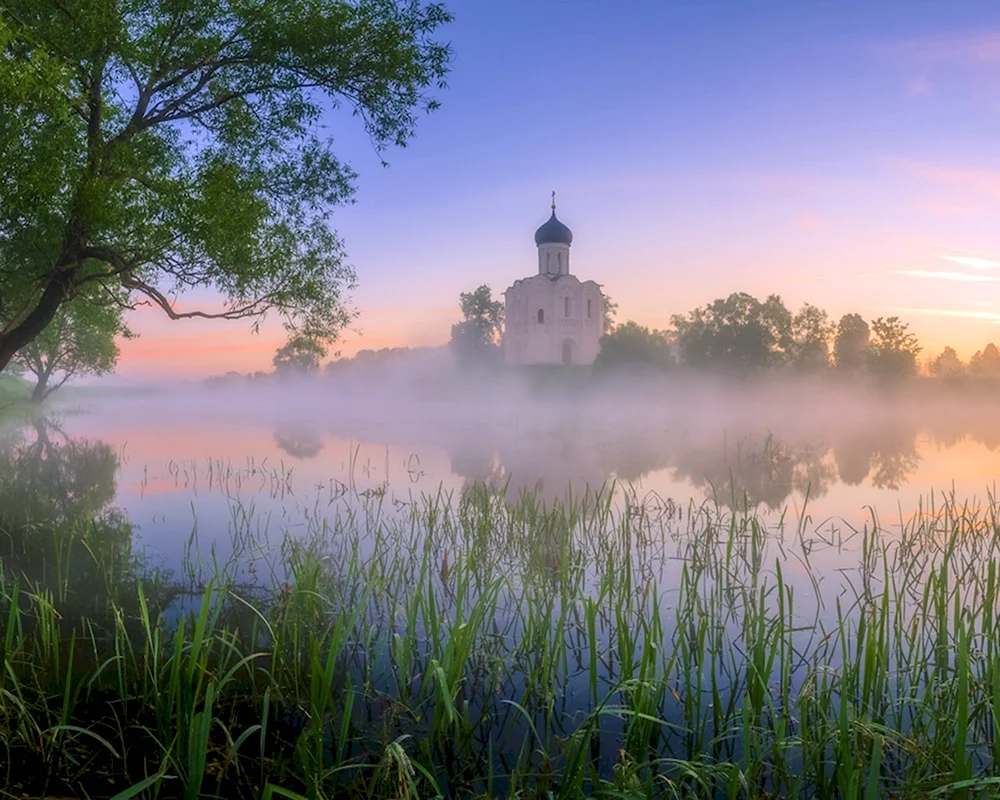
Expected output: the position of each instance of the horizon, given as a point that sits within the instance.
(841, 155)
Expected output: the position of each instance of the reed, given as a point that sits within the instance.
(474, 645)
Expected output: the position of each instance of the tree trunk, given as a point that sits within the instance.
(48, 304)
(39, 394)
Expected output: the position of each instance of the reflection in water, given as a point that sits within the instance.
(737, 466)
(298, 440)
(59, 530)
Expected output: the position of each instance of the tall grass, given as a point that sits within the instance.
(476, 646)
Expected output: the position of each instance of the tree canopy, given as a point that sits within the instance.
(476, 339)
(985, 363)
(301, 355)
(152, 146)
(947, 364)
(851, 342)
(632, 345)
(738, 332)
(893, 350)
(80, 340)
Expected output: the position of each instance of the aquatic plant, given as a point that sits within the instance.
(610, 645)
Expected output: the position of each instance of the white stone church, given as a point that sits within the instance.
(553, 317)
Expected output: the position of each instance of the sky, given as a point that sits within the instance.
(843, 153)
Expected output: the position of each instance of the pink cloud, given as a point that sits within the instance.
(919, 87)
(946, 276)
(971, 180)
(973, 48)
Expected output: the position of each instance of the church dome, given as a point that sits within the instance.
(553, 232)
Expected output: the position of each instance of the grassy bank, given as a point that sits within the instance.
(473, 647)
(14, 392)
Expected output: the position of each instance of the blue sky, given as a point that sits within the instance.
(833, 152)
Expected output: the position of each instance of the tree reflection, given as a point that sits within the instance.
(299, 441)
(58, 528)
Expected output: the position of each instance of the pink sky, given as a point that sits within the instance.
(847, 158)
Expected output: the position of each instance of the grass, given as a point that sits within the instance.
(13, 392)
(471, 646)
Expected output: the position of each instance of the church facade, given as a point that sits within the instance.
(552, 317)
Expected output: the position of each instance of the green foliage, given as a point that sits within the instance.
(476, 339)
(14, 392)
(154, 146)
(80, 340)
(301, 355)
(610, 312)
(851, 343)
(738, 332)
(893, 350)
(947, 364)
(811, 334)
(634, 346)
(985, 363)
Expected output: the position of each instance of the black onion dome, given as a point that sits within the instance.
(553, 232)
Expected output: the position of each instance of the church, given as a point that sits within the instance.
(553, 317)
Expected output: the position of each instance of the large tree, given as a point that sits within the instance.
(947, 364)
(159, 145)
(985, 363)
(632, 345)
(811, 333)
(299, 356)
(738, 332)
(80, 340)
(476, 339)
(893, 350)
(851, 343)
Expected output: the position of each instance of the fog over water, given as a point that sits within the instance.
(769, 444)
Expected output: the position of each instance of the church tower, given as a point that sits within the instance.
(552, 317)
(553, 240)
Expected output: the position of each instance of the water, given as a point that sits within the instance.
(191, 465)
(171, 476)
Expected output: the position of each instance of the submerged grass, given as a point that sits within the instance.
(474, 646)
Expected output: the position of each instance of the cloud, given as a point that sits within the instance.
(974, 262)
(984, 182)
(945, 276)
(989, 316)
(973, 48)
(919, 87)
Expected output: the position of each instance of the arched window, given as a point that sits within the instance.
(588, 308)
(548, 262)
(560, 263)
(566, 306)
(541, 316)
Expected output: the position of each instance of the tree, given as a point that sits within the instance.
(610, 312)
(633, 345)
(80, 340)
(738, 332)
(985, 363)
(298, 357)
(155, 146)
(811, 333)
(476, 339)
(893, 350)
(947, 364)
(851, 342)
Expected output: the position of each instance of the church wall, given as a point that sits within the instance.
(526, 341)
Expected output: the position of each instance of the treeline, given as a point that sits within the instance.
(984, 363)
(298, 359)
(741, 333)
